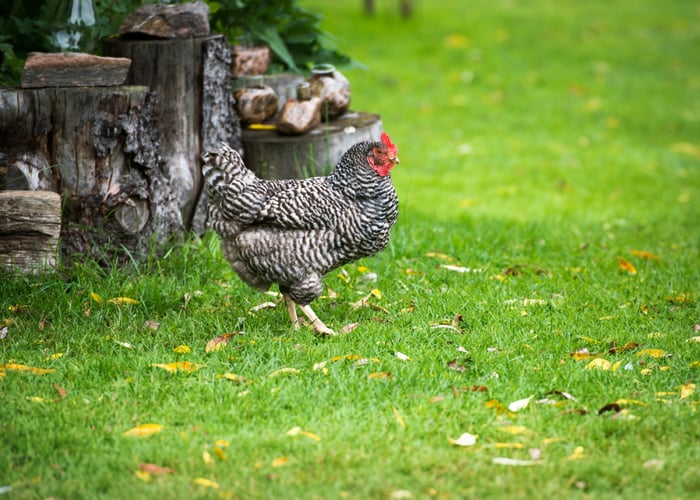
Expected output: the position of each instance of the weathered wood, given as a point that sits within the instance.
(274, 156)
(192, 78)
(168, 21)
(30, 224)
(98, 147)
(71, 69)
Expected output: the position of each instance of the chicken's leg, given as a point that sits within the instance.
(316, 323)
(292, 310)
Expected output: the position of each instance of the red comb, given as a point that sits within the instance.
(387, 142)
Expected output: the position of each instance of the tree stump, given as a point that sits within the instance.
(274, 156)
(97, 147)
(30, 223)
(193, 81)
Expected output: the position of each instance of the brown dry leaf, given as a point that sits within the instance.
(583, 353)
(436, 399)
(643, 254)
(626, 266)
(14, 367)
(380, 375)
(218, 343)
(627, 347)
(178, 366)
(61, 391)
(144, 430)
(155, 470)
(610, 407)
(456, 366)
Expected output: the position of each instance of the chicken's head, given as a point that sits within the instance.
(382, 157)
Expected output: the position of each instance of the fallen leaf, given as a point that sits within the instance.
(220, 453)
(643, 254)
(465, 439)
(124, 344)
(513, 429)
(178, 366)
(297, 431)
(61, 391)
(456, 366)
(182, 349)
(687, 390)
(520, 404)
(206, 458)
(259, 307)
(218, 343)
(629, 346)
(436, 399)
(380, 375)
(626, 266)
(652, 353)
(37, 399)
(460, 269)
(348, 328)
(207, 483)
(96, 298)
(399, 418)
(508, 445)
(599, 364)
(144, 430)
(563, 394)
(577, 454)
(279, 462)
(283, 371)
(143, 475)
(122, 301)
(155, 470)
(610, 407)
(14, 367)
(513, 462)
(402, 356)
(237, 379)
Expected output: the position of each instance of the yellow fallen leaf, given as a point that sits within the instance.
(283, 371)
(577, 454)
(206, 457)
(465, 439)
(599, 364)
(207, 483)
(687, 390)
(616, 365)
(380, 375)
(279, 462)
(509, 445)
(238, 379)
(96, 298)
(652, 353)
(694, 364)
(262, 126)
(297, 431)
(37, 399)
(399, 418)
(513, 429)
(143, 475)
(122, 301)
(178, 366)
(630, 402)
(182, 349)
(13, 367)
(222, 443)
(626, 266)
(144, 430)
(645, 371)
(220, 454)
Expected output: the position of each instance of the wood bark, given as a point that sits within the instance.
(99, 148)
(30, 224)
(192, 78)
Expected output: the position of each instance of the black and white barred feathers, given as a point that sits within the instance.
(292, 232)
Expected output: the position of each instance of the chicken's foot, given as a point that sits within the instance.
(292, 310)
(316, 323)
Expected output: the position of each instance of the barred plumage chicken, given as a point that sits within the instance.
(294, 231)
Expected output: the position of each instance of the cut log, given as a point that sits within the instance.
(274, 156)
(72, 69)
(99, 148)
(192, 78)
(30, 225)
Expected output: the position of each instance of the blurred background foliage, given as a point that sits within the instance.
(292, 32)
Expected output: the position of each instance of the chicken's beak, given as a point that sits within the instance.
(395, 159)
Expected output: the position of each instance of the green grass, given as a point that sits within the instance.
(539, 142)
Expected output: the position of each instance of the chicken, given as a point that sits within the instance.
(294, 231)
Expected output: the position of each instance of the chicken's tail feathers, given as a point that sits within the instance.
(222, 166)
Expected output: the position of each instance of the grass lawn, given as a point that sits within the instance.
(540, 293)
